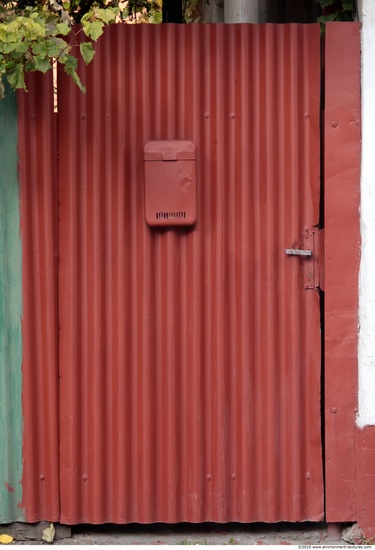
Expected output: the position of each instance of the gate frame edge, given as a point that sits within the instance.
(342, 158)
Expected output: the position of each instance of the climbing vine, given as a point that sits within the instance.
(192, 10)
(337, 10)
(36, 35)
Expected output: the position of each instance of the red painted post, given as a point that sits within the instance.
(342, 135)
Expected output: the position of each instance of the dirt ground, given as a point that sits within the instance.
(304, 535)
(208, 534)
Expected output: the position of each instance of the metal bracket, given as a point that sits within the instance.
(297, 252)
(310, 255)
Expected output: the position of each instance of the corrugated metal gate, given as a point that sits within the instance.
(190, 358)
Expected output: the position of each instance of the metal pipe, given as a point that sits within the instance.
(241, 11)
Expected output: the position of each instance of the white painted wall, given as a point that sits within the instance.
(366, 350)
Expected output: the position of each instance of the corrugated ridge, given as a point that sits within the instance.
(183, 351)
(38, 186)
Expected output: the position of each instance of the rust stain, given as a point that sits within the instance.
(9, 488)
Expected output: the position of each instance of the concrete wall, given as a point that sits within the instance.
(366, 354)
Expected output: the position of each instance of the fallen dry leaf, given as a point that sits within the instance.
(6, 539)
(49, 533)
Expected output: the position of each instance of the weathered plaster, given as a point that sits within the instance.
(366, 353)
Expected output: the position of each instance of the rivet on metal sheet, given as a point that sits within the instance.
(308, 475)
(334, 410)
(208, 477)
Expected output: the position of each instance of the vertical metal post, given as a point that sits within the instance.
(241, 11)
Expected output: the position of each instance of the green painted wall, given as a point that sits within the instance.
(10, 317)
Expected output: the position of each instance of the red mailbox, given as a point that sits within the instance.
(170, 183)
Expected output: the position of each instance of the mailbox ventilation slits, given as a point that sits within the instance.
(170, 183)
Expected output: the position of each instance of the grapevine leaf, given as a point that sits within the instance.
(87, 51)
(55, 46)
(71, 62)
(327, 18)
(107, 15)
(40, 48)
(29, 66)
(72, 73)
(63, 29)
(42, 64)
(348, 6)
(92, 29)
(15, 75)
(15, 48)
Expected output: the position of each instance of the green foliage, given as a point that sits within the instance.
(87, 52)
(34, 34)
(32, 38)
(192, 10)
(337, 10)
(141, 11)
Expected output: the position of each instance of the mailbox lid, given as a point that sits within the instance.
(169, 150)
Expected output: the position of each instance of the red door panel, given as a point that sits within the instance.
(190, 356)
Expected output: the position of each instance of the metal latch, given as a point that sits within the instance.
(297, 252)
(310, 257)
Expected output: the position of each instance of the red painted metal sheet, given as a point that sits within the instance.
(39, 229)
(190, 357)
(342, 179)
